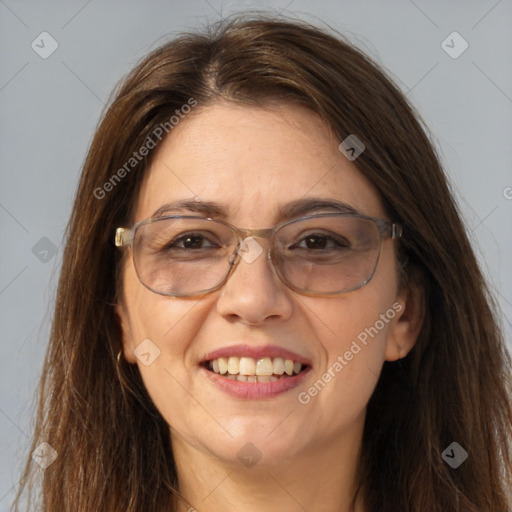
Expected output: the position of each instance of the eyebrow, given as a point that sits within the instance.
(297, 208)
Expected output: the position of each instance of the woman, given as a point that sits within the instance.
(268, 300)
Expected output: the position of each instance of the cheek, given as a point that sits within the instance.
(170, 323)
(164, 328)
(353, 332)
(357, 333)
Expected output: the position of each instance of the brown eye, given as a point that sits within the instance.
(319, 242)
(191, 241)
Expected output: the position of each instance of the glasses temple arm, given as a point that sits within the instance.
(123, 237)
(396, 231)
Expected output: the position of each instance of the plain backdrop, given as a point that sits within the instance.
(49, 108)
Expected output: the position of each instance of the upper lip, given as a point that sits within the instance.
(256, 352)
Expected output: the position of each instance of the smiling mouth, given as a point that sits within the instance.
(248, 369)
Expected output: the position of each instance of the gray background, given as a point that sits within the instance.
(50, 107)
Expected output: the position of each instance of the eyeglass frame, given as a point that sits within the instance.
(387, 229)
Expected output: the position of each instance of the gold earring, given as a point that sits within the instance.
(119, 356)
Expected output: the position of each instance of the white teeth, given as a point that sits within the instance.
(279, 366)
(264, 367)
(247, 366)
(247, 369)
(223, 365)
(233, 365)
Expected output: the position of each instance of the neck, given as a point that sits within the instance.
(320, 478)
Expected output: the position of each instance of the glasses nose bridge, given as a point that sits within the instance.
(243, 233)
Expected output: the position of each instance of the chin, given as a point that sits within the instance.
(255, 444)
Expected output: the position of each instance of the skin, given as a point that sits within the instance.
(252, 161)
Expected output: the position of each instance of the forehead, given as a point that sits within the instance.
(253, 161)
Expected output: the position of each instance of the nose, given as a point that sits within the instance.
(253, 292)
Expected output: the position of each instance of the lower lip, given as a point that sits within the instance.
(255, 390)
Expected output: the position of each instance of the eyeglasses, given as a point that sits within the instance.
(323, 254)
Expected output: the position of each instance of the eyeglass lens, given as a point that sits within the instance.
(328, 254)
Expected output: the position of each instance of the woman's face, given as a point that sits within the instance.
(253, 162)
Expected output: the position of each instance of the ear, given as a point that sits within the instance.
(406, 325)
(126, 332)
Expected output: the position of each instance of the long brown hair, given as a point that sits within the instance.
(113, 445)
